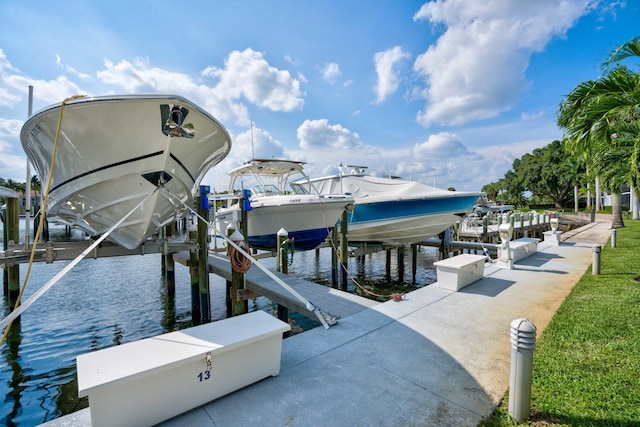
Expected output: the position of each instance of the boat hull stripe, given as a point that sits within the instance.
(123, 162)
(183, 167)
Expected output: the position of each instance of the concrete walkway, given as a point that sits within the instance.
(436, 358)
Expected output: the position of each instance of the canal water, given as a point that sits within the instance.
(110, 301)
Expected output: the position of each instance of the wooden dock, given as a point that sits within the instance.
(335, 303)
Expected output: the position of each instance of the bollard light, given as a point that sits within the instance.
(595, 262)
(613, 238)
(523, 342)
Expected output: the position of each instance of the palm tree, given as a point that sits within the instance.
(628, 50)
(598, 118)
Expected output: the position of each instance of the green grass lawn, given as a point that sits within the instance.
(586, 369)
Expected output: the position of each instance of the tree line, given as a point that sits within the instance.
(20, 186)
(600, 148)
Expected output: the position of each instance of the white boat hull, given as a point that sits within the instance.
(393, 211)
(307, 219)
(113, 152)
(401, 231)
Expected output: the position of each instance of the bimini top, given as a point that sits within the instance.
(261, 169)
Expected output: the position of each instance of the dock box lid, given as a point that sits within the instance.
(143, 357)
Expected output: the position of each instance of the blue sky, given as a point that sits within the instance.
(446, 92)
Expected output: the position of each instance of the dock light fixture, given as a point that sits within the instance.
(505, 259)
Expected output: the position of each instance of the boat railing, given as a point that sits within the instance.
(494, 219)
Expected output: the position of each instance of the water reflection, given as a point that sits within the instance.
(110, 301)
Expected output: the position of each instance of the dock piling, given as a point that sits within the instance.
(203, 255)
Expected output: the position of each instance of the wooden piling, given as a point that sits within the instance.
(13, 236)
(168, 264)
(400, 261)
(203, 254)
(334, 258)
(387, 264)
(344, 256)
(282, 265)
(414, 261)
(195, 277)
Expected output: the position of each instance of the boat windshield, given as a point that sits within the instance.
(265, 190)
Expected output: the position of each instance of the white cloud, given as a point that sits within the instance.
(443, 145)
(532, 116)
(71, 70)
(13, 166)
(247, 74)
(139, 76)
(387, 70)
(320, 135)
(8, 99)
(48, 91)
(5, 64)
(331, 72)
(10, 127)
(477, 67)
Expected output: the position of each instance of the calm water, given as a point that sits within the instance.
(109, 301)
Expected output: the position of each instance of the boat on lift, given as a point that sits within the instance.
(392, 211)
(271, 206)
(113, 152)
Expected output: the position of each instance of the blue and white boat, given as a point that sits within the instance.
(392, 211)
(308, 218)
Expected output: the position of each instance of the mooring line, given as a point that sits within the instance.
(308, 305)
(33, 298)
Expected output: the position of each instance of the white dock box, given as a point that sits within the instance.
(148, 381)
(459, 271)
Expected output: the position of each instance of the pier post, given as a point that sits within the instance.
(282, 265)
(13, 236)
(344, 255)
(237, 293)
(203, 255)
(414, 261)
(169, 267)
(485, 228)
(5, 242)
(334, 258)
(192, 230)
(387, 264)
(281, 251)
(400, 260)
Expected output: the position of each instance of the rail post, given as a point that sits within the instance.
(523, 342)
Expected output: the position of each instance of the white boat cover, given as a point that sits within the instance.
(365, 188)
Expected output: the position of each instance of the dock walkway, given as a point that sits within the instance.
(435, 358)
(335, 303)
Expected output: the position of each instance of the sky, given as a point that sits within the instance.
(445, 92)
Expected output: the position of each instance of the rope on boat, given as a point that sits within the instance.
(36, 237)
(323, 317)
